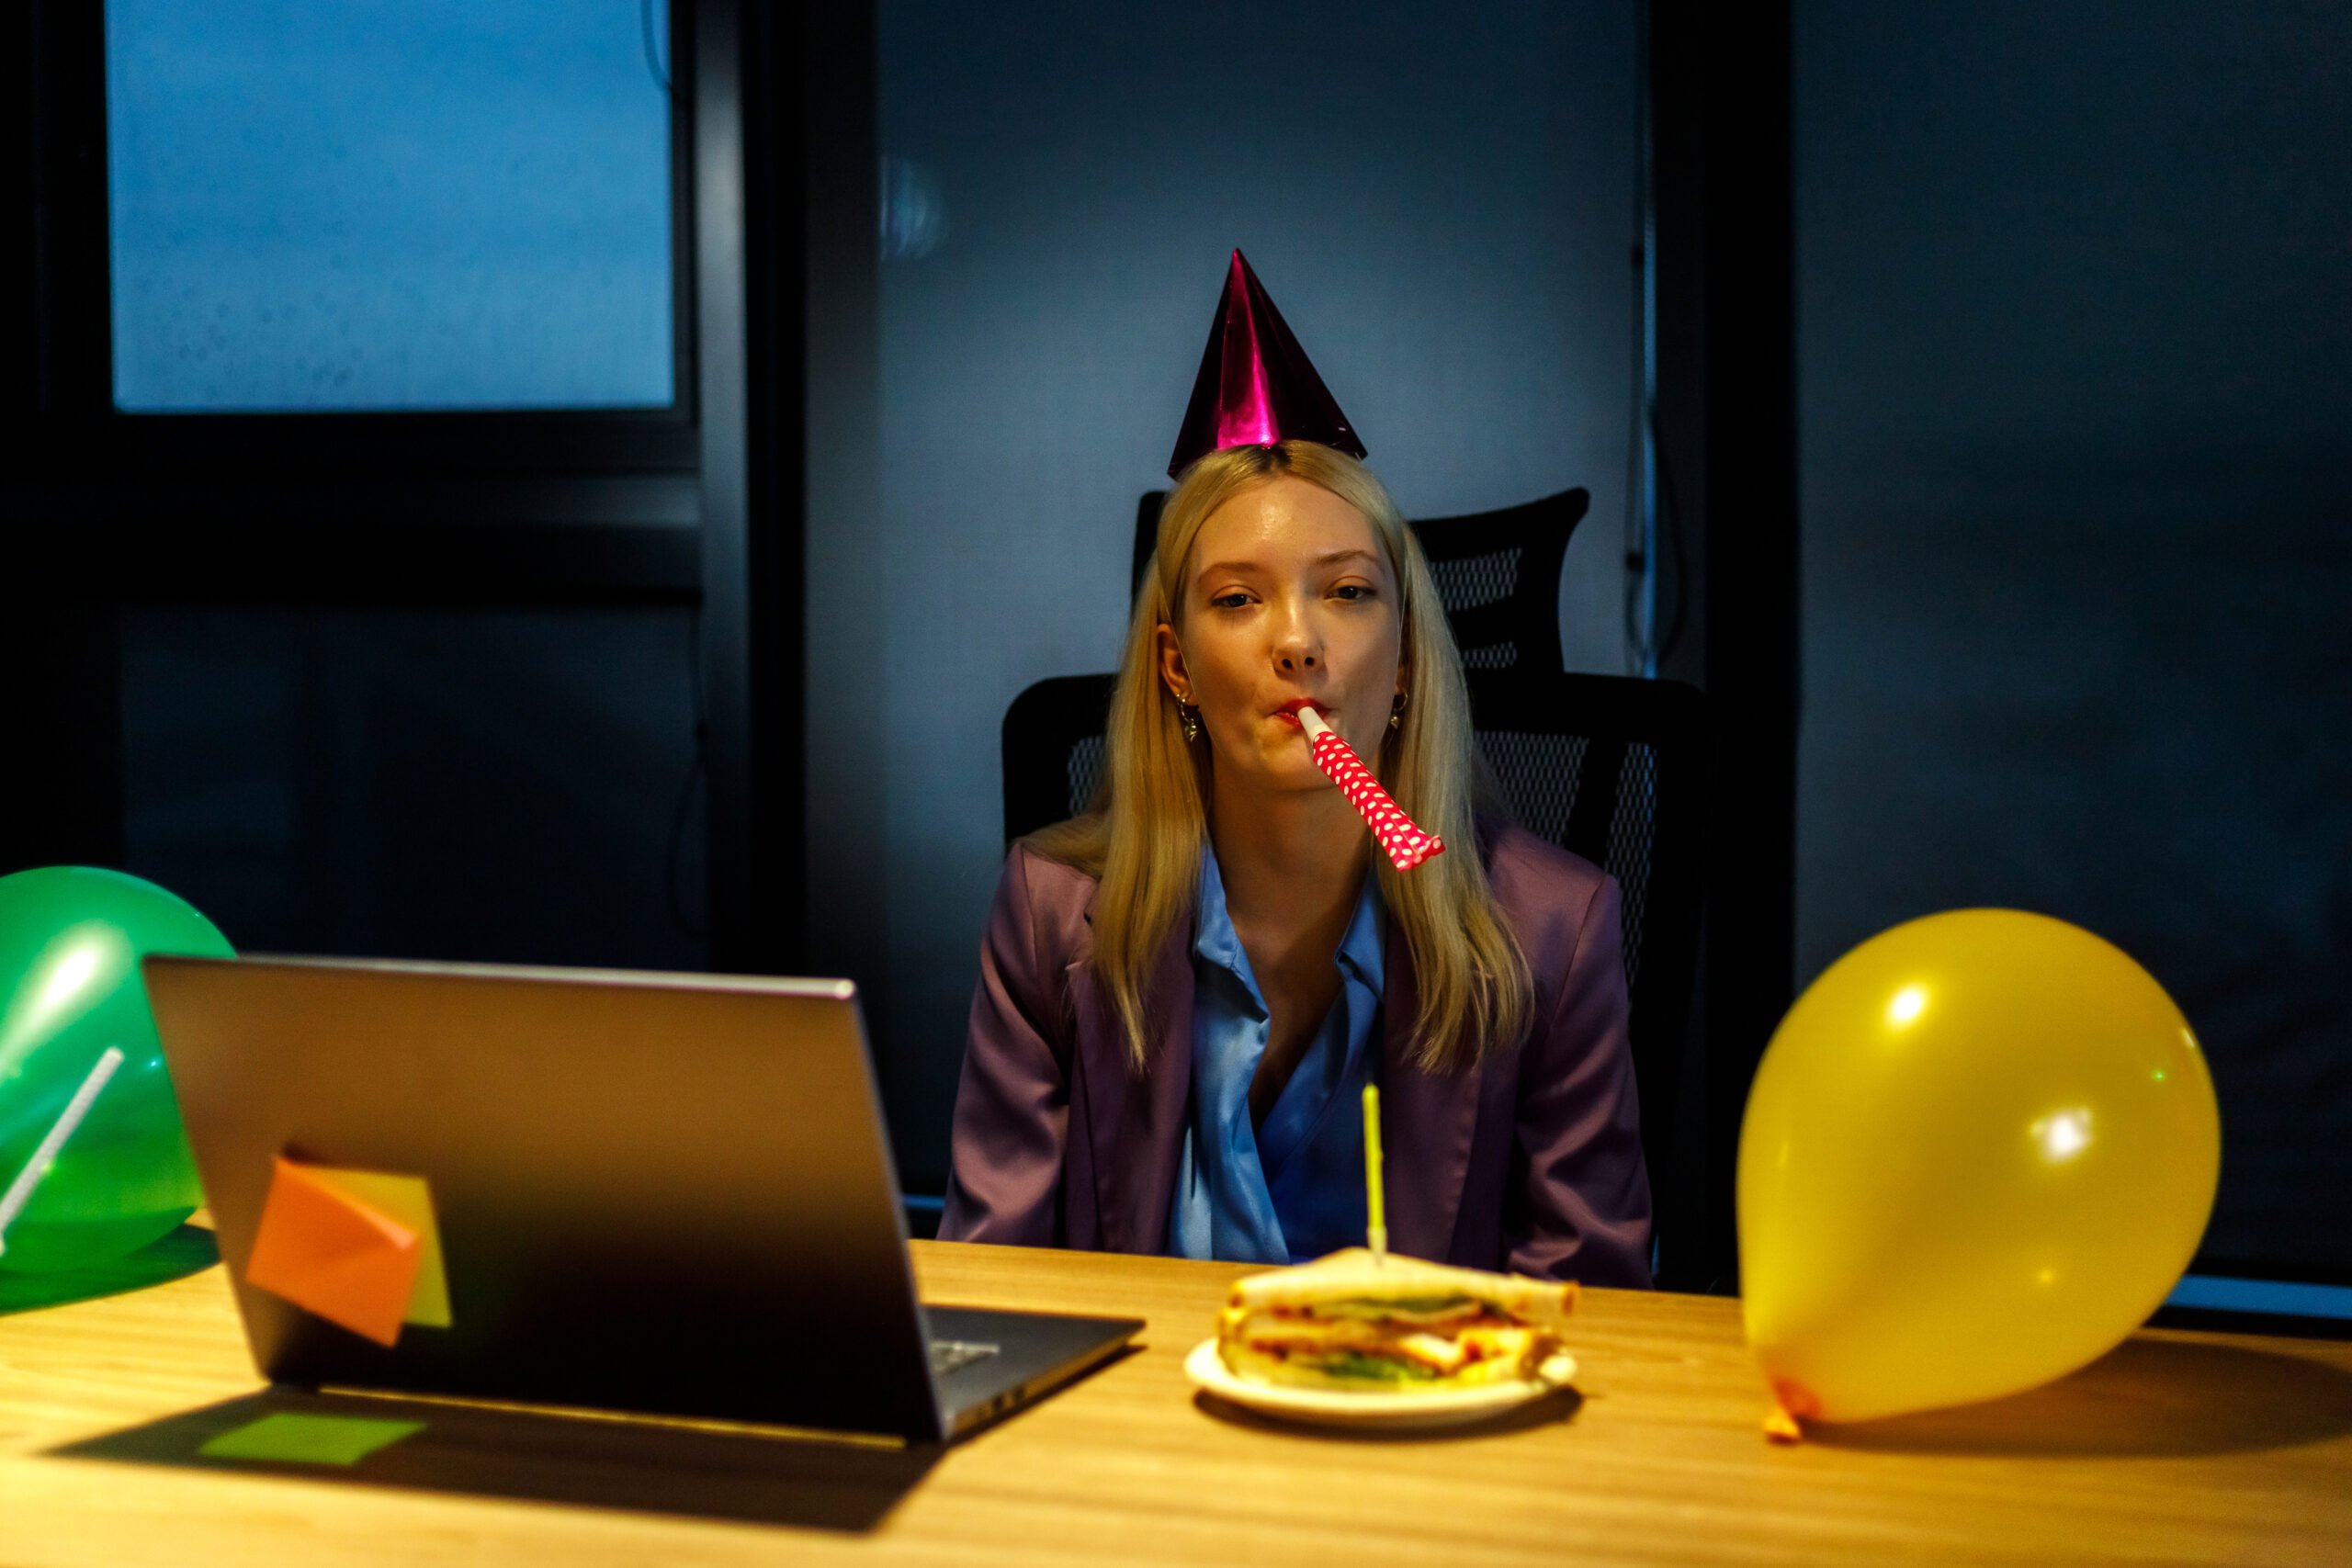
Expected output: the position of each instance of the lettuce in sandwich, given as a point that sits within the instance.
(1394, 1325)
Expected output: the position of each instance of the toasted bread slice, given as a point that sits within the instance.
(1354, 1275)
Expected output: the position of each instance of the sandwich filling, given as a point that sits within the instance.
(1370, 1343)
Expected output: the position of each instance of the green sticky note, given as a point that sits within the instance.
(309, 1439)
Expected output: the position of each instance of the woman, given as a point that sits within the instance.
(1182, 992)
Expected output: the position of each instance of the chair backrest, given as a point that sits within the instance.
(1622, 772)
(1053, 750)
(1497, 575)
(1617, 769)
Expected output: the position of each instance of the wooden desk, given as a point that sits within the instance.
(2181, 1448)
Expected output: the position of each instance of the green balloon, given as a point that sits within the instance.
(93, 1164)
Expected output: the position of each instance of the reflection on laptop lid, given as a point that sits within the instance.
(664, 1193)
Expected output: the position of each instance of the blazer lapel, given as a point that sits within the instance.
(1426, 1121)
(1135, 1121)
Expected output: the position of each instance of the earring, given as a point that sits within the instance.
(1190, 717)
(1397, 711)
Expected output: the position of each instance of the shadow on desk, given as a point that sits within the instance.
(2149, 1397)
(576, 1461)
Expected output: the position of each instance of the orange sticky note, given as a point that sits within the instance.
(332, 1252)
(404, 1199)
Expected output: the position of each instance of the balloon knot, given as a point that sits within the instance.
(1792, 1401)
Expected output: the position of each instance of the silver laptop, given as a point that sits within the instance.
(664, 1193)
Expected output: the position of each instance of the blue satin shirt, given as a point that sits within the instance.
(1291, 1190)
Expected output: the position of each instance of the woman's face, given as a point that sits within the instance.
(1287, 598)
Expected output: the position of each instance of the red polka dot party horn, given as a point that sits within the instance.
(1407, 845)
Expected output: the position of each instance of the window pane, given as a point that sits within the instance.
(504, 785)
(370, 204)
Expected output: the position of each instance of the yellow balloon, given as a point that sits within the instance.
(1981, 1149)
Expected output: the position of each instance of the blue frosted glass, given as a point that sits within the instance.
(389, 203)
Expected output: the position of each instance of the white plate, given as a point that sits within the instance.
(1401, 1410)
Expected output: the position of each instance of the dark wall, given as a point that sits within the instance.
(2076, 307)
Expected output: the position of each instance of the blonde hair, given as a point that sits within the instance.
(1141, 836)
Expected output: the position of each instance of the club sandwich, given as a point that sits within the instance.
(1392, 1325)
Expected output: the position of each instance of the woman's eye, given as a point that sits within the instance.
(1233, 601)
(1352, 591)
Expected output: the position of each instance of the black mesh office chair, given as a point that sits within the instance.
(1497, 575)
(1053, 750)
(1617, 769)
(1622, 772)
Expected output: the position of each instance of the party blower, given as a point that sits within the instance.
(1407, 845)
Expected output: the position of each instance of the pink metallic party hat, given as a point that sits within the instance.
(1256, 385)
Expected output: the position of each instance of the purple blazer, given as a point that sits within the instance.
(1530, 1161)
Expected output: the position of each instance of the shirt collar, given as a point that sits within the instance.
(1360, 952)
(1215, 939)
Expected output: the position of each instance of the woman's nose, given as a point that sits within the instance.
(1297, 648)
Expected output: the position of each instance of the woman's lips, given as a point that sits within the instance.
(1288, 712)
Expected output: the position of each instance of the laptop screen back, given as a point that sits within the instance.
(662, 1193)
